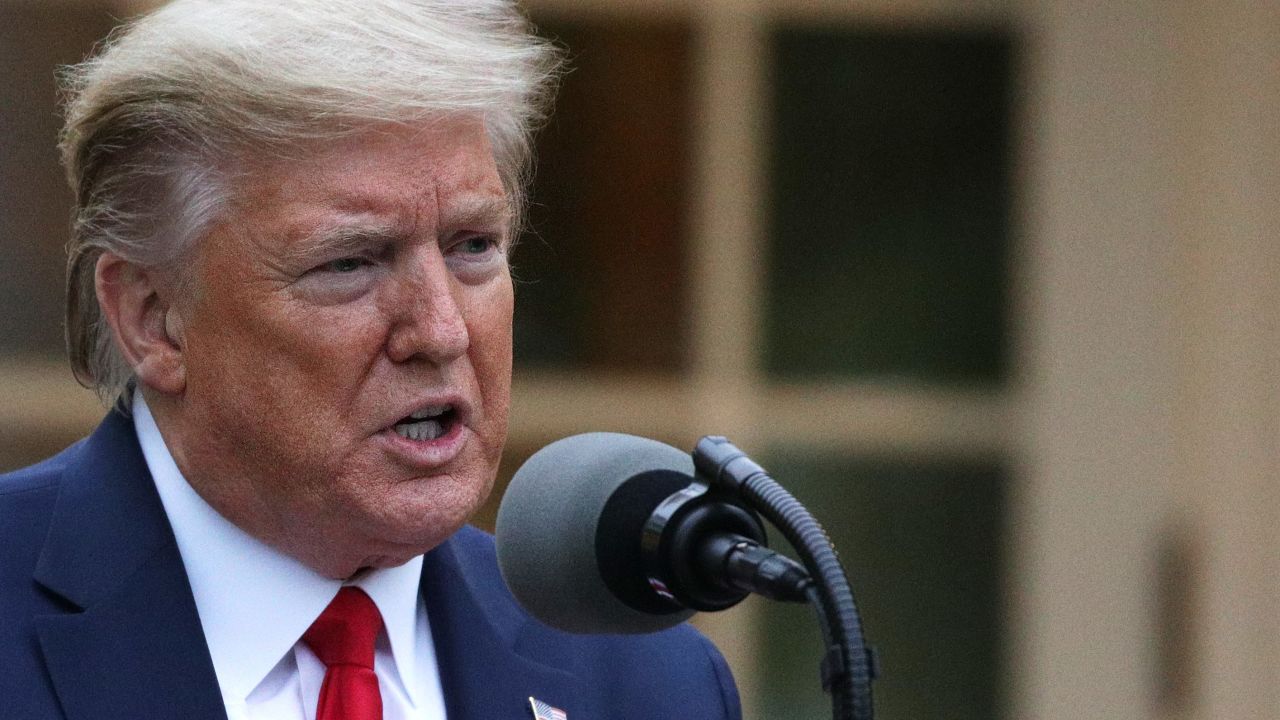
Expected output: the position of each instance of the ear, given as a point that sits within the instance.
(146, 326)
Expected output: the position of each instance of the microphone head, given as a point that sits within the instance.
(549, 537)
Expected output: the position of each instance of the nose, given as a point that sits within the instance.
(428, 322)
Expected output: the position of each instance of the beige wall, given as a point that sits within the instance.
(1229, 55)
(1098, 372)
(1150, 344)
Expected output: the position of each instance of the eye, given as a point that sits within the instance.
(474, 258)
(476, 245)
(343, 266)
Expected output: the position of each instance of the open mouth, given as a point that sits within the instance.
(429, 423)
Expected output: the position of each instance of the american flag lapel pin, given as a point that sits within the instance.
(543, 711)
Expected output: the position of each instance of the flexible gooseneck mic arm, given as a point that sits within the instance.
(847, 666)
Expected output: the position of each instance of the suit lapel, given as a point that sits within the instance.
(136, 648)
(132, 645)
(475, 635)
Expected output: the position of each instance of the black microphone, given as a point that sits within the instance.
(612, 533)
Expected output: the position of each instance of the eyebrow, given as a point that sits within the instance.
(340, 240)
(479, 210)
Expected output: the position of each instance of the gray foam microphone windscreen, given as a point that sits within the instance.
(547, 530)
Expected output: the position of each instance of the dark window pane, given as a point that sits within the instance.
(922, 544)
(890, 195)
(35, 203)
(601, 277)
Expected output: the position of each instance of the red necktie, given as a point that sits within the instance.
(342, 637)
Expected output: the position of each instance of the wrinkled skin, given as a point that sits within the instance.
(347, 288)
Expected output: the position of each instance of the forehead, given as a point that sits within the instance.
(420, 175)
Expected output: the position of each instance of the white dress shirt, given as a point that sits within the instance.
(256, 602)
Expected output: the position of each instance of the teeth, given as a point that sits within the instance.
(424, 430)
(430, 411)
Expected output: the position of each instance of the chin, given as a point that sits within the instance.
(432, 512)
(386, 561)
(403, 540)
(348, 566)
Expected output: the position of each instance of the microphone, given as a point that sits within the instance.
(612, 533)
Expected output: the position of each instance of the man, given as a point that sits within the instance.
(288, 275)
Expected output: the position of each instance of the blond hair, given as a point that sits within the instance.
(160, 120)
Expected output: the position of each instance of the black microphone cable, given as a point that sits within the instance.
(847, 666)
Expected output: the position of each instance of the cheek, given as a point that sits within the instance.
(489, 326)
(314, 349)
(281, 382)
(332, 356)
(489, 316)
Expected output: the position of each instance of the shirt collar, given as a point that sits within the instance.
(254, 601)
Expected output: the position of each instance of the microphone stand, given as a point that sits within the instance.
(847, 666)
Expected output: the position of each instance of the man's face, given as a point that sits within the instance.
(348, 347)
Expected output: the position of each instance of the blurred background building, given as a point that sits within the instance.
(992, 285)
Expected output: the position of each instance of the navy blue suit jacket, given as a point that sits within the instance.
(97, 620)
